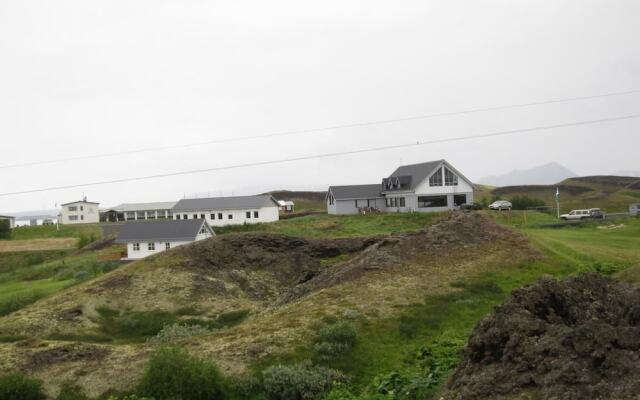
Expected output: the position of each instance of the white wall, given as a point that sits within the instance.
(159, 247)
(86, 213)
(265, 214)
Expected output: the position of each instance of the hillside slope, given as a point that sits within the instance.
(278, 286)
(611, 193)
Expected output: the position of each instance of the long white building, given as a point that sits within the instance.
(221, 211)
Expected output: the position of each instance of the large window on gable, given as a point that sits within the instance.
(436, 178)
(450, 179)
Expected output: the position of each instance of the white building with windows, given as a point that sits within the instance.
(79, 212)
(146, 238)
(221, 211)
(424, 187)
(138, 211)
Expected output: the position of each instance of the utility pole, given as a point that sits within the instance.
(558, 201)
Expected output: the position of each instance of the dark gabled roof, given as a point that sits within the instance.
(225, 203)
(416, 172)
(7, 216)
(356, 191)
(182, 230)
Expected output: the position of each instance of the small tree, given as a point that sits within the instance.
(5, 229)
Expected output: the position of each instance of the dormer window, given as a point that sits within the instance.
(436, 178)
(450, 179)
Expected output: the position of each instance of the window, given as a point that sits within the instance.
(436, 178)
(255, 214)
(459, 199)
(177, 216)
(203, 230)
(213, 216)
(185, 216)
(82, 217)
(151, 246)
(81, 208)
(230, 216)
(219, 215)
(201, 216)
(136, 247)
(450, 179)
(248, 214)
(73, 208)
(195, 216)
(331, 199)
(432, 201)
(167, 246)
(402, 202)
(73, 217)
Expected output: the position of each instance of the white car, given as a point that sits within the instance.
(500, 205)
(576, 214)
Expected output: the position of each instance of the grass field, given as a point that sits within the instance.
(51, 231)
(63, 243)
(340, 225)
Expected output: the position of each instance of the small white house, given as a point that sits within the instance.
(145, 238)
(286, 206)
(430, 186)
(79, 212)
(12, 220)
(221, 211)
(634, 209)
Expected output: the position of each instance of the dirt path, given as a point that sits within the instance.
(37, 244)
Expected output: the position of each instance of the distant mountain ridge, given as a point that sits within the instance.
(542, 175)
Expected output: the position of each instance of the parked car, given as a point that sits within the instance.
(597, 213)
(471, 206)
(500, 205)
(576, 214)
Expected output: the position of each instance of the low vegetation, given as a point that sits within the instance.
(16, 386)
(52, 231)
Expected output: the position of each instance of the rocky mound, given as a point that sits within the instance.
(574, 339)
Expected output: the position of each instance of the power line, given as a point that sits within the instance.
(327, 155)
(315, 130)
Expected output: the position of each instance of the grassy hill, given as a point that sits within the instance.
(611, 193)
(411, 285)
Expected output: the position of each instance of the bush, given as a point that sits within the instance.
(18, 301)
(175, 332)
(133, 324)
(69, 391)
(524, 202)
(17, 386)
(302, 381)
(335, 339)
(172, 374)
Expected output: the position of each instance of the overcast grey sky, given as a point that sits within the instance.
(86, 77)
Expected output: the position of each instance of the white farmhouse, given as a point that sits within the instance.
(425, 187)
(151, 237)
(80, 212)
(221, 211)
(12, 220)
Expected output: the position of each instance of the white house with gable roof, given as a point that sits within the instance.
(221, 211)
(424, 187)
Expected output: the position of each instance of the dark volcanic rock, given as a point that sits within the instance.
(573, 339)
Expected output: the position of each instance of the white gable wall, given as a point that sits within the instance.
(79, 212)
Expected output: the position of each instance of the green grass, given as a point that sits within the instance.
(12, 261)
(16, 295)
(340, 225)
(50, 231)
(79, 267)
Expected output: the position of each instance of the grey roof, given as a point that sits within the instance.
(415, 173)
(356, 191)
(183, 230)
(165, 205)
(225, 203)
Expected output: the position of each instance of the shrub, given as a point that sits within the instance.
(175, 332)
(17, 386)
(335, 339)
(18, 301)
(172, 374)
(302, 381)
(524, 202)
(133, 324)
(69, 391)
